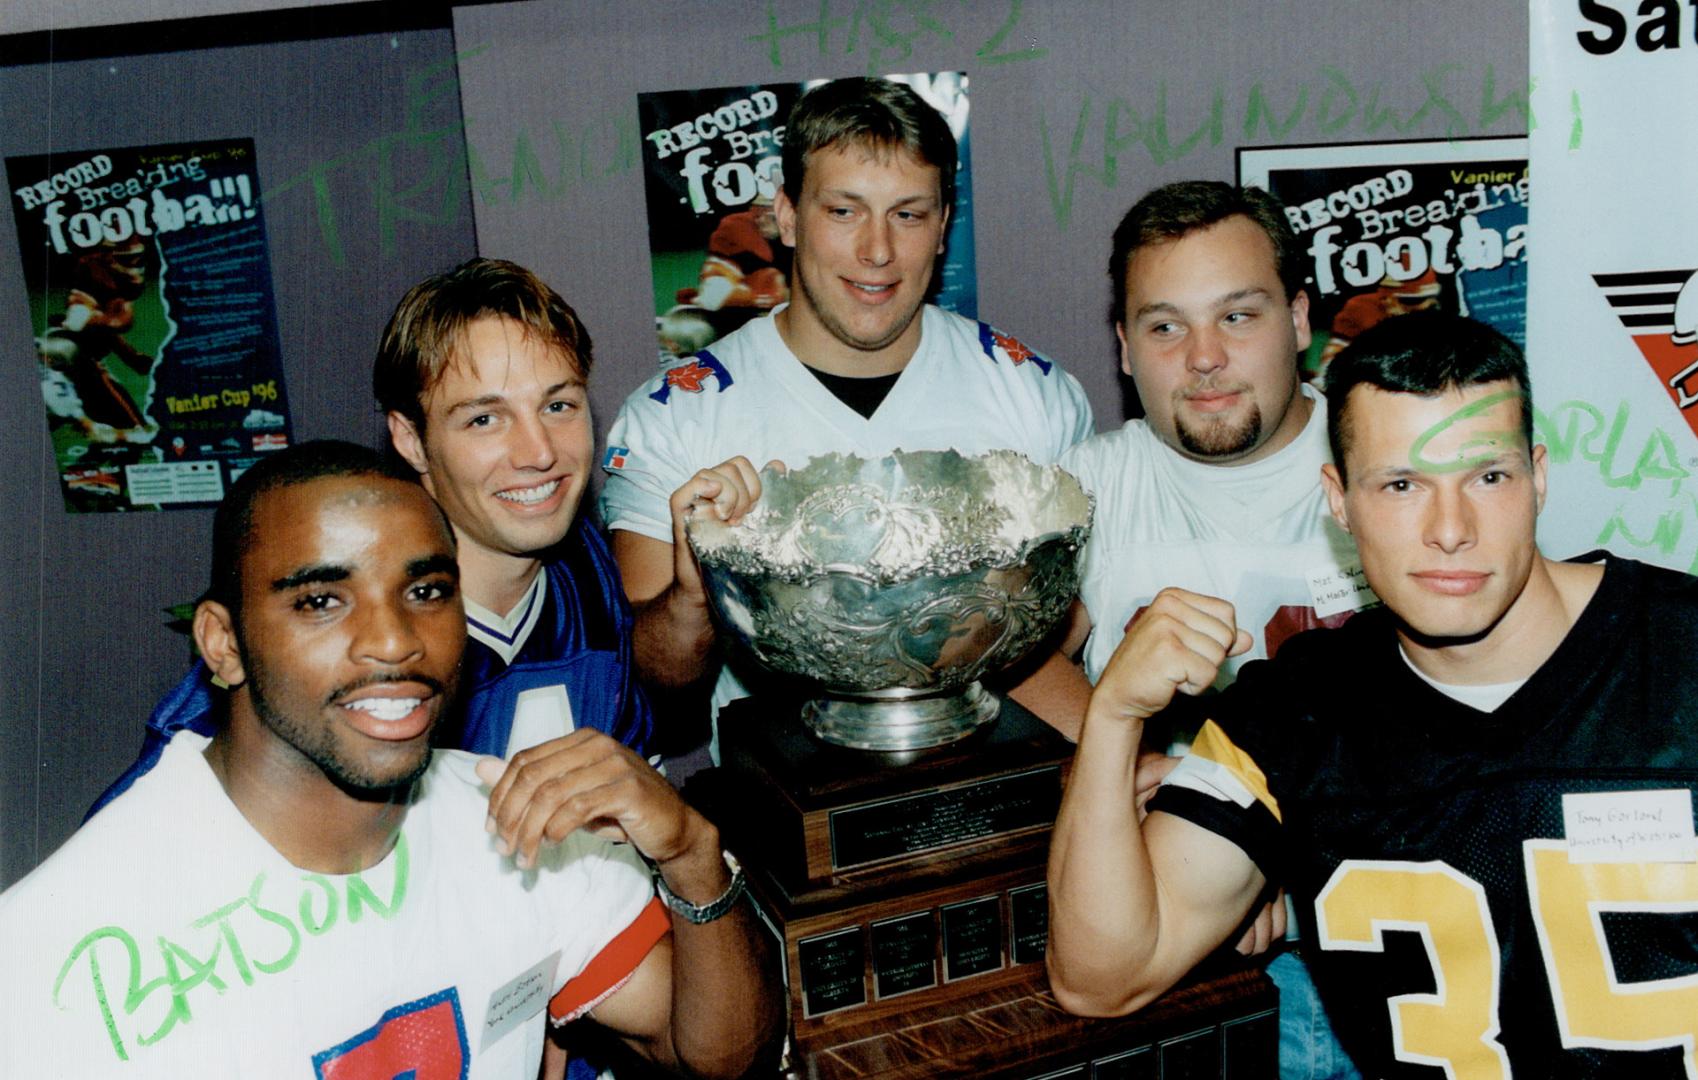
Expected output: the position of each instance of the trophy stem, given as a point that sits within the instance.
(895, 720)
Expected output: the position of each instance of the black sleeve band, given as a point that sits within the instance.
(1253, 829)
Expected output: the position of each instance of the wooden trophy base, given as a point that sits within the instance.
(908, 893)
(823, 816)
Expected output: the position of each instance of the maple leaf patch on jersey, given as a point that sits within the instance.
(1013, 348)
(691, 376)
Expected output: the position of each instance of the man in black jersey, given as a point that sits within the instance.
(1481, 793)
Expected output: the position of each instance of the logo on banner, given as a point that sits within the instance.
(1659, 308)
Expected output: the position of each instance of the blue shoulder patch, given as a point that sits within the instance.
(990, 341)
(689, 377)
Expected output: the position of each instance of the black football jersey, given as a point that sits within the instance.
(1458, 929)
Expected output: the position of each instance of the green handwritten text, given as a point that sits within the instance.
(232, 944)
(1106, 128)
(886, 32)
(1478, 449)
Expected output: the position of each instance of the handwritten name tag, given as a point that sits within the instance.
(518, 1001)
(1630, 826)
(1333, 590)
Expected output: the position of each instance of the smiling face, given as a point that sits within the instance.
(350, 629)
(1211, 342)
(867, 227)
(1442, 500)
(507, 445)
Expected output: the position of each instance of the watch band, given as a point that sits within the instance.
(713, 909)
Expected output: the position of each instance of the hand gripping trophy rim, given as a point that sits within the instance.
(897, 583)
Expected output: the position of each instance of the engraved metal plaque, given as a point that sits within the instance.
(1139, 1064)
(774, 928)
(1251, 1046)
(1028, 917)
(911, 824)
(1077, 1072)
(972, 938)
(833, 971)
(904, 954)
(1192, 1057)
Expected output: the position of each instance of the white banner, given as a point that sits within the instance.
(1612, 306)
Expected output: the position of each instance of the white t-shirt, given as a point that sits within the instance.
(966, 388)
(168, 939)
(1258, 535)
(1486, 697)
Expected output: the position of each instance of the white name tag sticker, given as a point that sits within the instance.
(1630, 826)
(518, 1001)
(1334, 590)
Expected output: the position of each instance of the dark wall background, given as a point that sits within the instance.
(1078, 107)
(372, 180)
(367, 118)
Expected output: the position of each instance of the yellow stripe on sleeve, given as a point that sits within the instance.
(1213, 746)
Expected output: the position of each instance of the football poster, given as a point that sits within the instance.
(150, 296)
(712, 169)
(1387, 228)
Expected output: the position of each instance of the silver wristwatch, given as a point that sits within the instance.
(713, 909)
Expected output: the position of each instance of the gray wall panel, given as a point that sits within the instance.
(1078, 107)
(374, 122)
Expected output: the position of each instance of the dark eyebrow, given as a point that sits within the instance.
(1165, 306)
(1151, 309)
(1394, 472)
(433, 564)
(322, 574)
(1484, 463)
(487, 400)
(1245, 294)
(850, 195)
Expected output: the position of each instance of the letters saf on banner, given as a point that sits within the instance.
(155, 329)
(1389, 228)
(712, 169)
(1613, 295)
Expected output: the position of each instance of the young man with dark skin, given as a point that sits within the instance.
(857, 362)
(318, 891)
(482, 373)
(1428, 780)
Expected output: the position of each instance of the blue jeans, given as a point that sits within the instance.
(1308, 1050)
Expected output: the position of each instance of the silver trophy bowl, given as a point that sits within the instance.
(896, 584)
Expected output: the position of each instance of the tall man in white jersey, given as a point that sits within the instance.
(1218, 488)
(857, 362)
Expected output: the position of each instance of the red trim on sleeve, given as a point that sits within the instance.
(609, 968)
